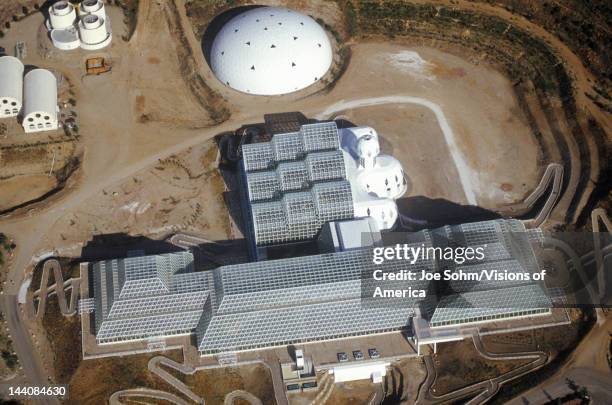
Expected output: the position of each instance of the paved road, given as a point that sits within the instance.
(24, 348)
(154, 366)
(277, 379)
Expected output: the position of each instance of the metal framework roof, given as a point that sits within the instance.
(295, 183)
(303, 299)
(300, 299)
(479, 306)
(317, 137)
(296, 175)
(300, 215)
(146, 296)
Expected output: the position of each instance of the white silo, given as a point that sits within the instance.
(95, 7)
(93, 32)
(62, 15)
(40, 101)
(11, 86)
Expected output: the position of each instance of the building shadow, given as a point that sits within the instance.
(420, 212)
(207, 255)
(120, 245)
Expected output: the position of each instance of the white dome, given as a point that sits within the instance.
(270, 51)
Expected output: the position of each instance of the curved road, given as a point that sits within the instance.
(483, 390)
(59, 288)
(154, 366)
(115, 399)
(242, 395)
(103, 171)
(465, 172)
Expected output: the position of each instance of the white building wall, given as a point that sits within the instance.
(40, 111)
(377, 179)
(11, 86)
(359, 371)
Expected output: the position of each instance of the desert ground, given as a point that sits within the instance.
(147, 161)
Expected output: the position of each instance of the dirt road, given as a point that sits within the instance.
(123, 148)
(465, 173)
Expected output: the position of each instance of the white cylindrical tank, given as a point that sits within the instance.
(40, 101)
(95, 7)
(11, 86)
(62, 15)
(93, 32)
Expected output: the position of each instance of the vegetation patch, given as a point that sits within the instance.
(64, 336)
(559, 342)
(96, 380)
(213, 385)
(461, 365)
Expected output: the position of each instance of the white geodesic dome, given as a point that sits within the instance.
(270, 51)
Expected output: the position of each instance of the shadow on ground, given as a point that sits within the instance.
(215, 26)
(421, 212)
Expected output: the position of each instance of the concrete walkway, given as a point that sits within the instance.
(242, 395)
(59, 288)
(483, 390)
(115, 399)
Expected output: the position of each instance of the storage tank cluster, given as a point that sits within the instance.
(34, 96)
(86, 26)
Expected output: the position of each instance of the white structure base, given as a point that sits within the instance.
(40, 127)
(99, 45)
(9, 107)
(360, 371)
(65, 40)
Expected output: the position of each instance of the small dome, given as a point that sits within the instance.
(270, 51)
